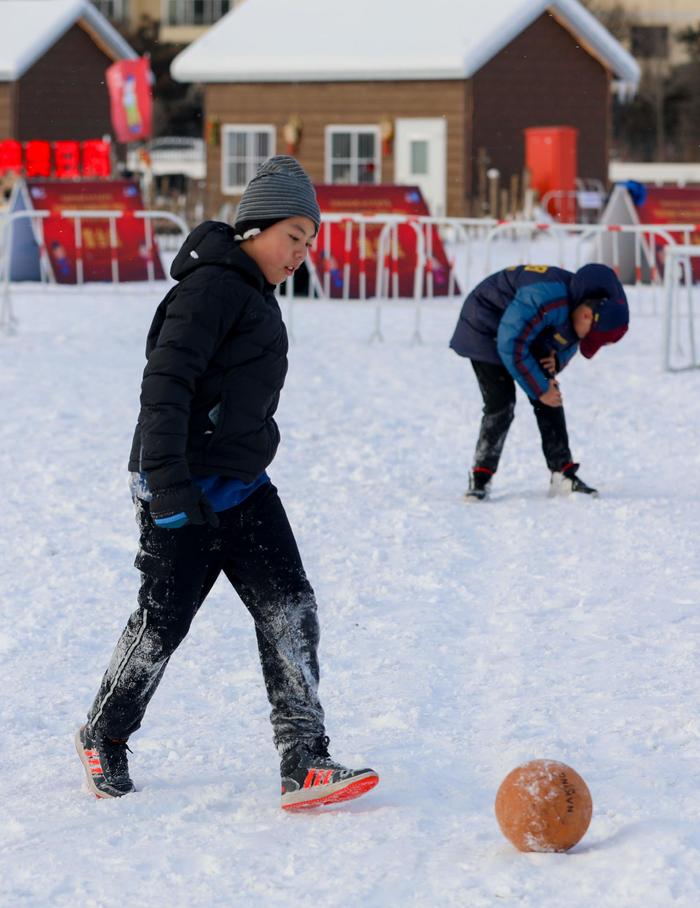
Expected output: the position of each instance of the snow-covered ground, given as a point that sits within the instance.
(457, 641)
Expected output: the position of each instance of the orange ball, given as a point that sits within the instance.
(543, 806)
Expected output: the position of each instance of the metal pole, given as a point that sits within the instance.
(7, 319)
(79, 275)
(148, 232)
(669, 281)
(113, 249)
(379, 284)
(347, 249)
(691, 325)
(430, 278)
(363, 260)
(418, 281)
(46, 271)
(290, 306)
(637, 259)
(327, 260)
(395, 261)
(616, 252)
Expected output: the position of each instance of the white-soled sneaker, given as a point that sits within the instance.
(566, 482)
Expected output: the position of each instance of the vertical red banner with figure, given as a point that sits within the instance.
(131, 103)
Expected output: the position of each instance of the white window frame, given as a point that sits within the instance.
(252, 163)
(184, 12)
(354, 131)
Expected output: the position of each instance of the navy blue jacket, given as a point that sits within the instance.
(521, 314)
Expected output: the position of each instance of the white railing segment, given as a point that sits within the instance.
(680, 351)
(8, 320)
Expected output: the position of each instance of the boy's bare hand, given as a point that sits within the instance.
(549, 363)
(552, 396)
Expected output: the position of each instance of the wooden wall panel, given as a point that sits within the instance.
(344, 103)
(64, 95)
(542, 78)
(6, 111)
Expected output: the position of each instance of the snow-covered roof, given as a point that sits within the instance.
(28, 28)
(337, 40)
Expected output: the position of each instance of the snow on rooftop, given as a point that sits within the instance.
(30, 27)
(332, 40)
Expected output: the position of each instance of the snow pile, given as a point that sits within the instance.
(457, 641)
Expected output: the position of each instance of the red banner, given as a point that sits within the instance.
(131, 105)
(97, 245)
(336, 254)
(673, 205)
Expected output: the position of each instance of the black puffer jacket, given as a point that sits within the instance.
(217, 359)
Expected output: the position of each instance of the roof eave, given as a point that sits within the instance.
(181, 73)
(598, 41)
(121, 48)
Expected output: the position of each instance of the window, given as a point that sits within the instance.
(352, 154)
(419, 157)
(649, 41)
(195, 12)
(244, 150)
(116, 10)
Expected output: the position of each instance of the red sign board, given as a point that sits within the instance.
(673, 205)
(96, 158)
(10, 156)
(38, 158)
(337, 254)
(97, 244)
(131, 104)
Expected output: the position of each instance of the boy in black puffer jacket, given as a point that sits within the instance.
(216, 363)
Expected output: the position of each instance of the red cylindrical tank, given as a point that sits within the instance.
(551, 156)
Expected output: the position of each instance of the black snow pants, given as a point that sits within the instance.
(255, 548)
(498, 392)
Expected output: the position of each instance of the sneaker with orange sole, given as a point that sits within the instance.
(310, 778)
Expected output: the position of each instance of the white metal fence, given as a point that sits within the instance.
(681, 297)
(474, 248)
(36, 219)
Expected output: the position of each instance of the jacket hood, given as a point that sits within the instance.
(213, 243)
(599, 286)
(595, 282)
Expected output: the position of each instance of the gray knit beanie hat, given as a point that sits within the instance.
(280, 189)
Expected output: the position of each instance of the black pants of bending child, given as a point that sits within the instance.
(255, 548)
(498, 392)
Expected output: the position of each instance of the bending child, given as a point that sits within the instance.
(523, 324)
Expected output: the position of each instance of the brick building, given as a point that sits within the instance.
(401, 91)
(53, 57)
